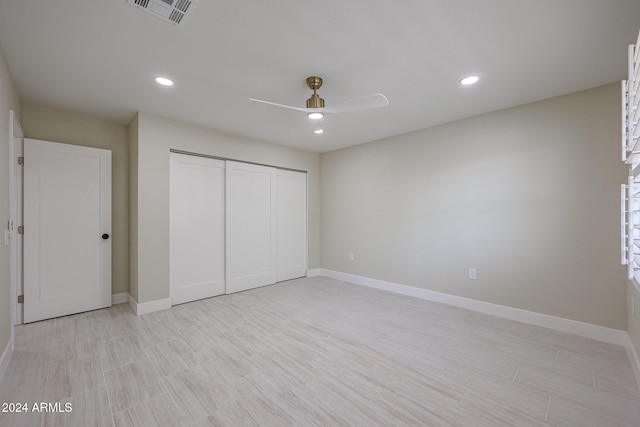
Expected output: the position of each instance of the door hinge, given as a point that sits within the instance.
(21, 160)
(20, 299)
(21, 229)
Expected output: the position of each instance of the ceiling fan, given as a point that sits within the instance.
(315, 105)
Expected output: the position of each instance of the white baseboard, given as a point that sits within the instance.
(119, 298)
(132, 303)
(149, 307)
(313, 272)
(6, 356)
(599, 333)
(635, 360)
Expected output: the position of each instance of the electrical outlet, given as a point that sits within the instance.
(472, 274)
(351, 256)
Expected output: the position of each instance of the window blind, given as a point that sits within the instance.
(630, 192)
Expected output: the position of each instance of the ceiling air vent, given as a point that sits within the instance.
(174, 11)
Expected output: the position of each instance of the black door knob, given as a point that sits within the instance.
(105, 236)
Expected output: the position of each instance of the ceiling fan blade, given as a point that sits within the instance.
(279, 105)
(377, 100)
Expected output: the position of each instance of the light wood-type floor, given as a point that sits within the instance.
(314, 352)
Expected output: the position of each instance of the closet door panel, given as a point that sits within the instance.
(251, 240)
(197, 230)
(291, 218)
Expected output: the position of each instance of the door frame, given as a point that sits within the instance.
(15, 199)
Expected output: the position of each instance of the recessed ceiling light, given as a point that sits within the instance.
(315, 116)
(164, 81)
(469, 80)
(318, 131)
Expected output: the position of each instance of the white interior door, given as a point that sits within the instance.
(67, 229)
(291, 218)
(251, 237)
(197, 227)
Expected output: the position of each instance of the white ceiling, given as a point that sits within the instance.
(100, 57)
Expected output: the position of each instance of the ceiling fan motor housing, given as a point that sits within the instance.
(315, 101)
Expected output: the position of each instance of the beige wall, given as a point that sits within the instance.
(156, 136)
(71, 128)
(529, 196)
(633, 316)
(9, 100)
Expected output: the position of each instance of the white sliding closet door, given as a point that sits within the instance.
(291, 218)
(251, 226)
(197, 230)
